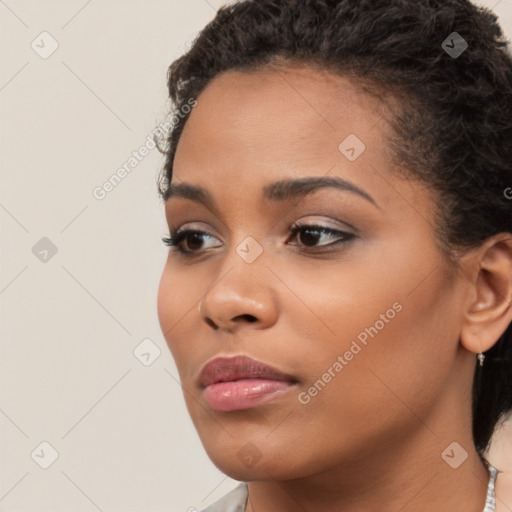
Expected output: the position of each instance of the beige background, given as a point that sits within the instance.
(70, 324)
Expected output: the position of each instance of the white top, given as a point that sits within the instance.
(236, 500)
(233, 501)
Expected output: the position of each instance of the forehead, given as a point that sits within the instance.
(249, 129)
(282, 115)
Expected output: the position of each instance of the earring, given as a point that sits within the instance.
(481, 357)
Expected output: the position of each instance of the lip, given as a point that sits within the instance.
(240, 382)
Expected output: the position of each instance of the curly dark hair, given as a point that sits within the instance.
(452, 128)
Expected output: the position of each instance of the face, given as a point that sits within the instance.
(356, 310)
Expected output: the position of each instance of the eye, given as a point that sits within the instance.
(190, 236)
(188, 242)
(311, 233)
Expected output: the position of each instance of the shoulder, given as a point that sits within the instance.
(233, 501)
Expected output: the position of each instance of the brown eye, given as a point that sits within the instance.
(187, 241)
(311, 234)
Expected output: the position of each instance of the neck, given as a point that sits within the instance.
(408, 475)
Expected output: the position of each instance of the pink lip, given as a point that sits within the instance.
(235, 383)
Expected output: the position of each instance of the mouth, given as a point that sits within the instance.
(237, 383)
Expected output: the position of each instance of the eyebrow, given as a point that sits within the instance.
(283, 190)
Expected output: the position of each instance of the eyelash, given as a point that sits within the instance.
(177, 237)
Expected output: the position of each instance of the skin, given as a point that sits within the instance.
(372, 438)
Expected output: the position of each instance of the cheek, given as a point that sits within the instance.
(178, 300)
(392, 330)
(165, 308)
(172, 306)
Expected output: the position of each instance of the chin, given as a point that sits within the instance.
(244, 461)
(236, 471)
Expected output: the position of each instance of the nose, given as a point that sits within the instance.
(238, 299)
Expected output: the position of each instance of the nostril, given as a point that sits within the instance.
(211, 323)
(249, 318)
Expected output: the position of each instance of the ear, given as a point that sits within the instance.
(488, 308)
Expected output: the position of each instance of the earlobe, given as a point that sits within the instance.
(488, 312)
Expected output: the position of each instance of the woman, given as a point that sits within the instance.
(337, 295)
